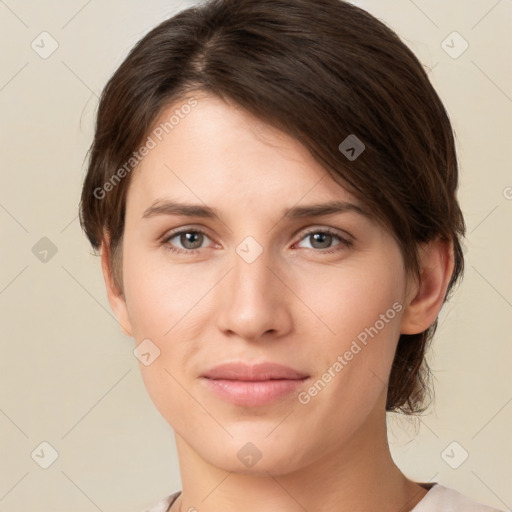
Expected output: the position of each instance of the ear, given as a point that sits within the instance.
(115, 296)
(427, 295)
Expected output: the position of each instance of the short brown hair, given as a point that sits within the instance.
(319, 71)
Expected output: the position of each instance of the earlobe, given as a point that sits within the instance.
(437, 264)
(115, 296)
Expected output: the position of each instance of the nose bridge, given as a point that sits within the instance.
(253, 301)
(251, 276)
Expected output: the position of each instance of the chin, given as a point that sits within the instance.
(258, 458)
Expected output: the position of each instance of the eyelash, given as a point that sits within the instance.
(345, 243)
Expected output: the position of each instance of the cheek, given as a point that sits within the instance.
(360, 304)
(164, 304)
(161, 295)
(353, 297)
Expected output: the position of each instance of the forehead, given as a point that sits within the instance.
(217, 152)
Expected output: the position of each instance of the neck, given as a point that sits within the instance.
(359, 475)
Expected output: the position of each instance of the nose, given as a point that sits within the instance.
(254, 300)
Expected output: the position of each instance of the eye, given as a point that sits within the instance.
(322, 239)
(190, 239)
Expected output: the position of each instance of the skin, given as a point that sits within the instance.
(294, 305)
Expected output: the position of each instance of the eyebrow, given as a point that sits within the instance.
(296, 212)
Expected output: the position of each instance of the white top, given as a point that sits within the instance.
(438, 499)
(445, 499)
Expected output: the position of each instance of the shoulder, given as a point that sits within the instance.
(445, 499)
(164, 504)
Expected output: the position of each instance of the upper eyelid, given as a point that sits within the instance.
(179, 231)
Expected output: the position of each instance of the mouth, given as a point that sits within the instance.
(253, 385)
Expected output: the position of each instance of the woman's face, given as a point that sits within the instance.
(264, 281)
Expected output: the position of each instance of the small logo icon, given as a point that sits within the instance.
(45, 455)
(44, 250)
(454, 45)
(249, 249)
(352, 147)
(146, 352)
(249, 454)
(454, 455)
(44, 45)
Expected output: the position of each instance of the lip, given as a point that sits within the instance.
(253, 372)
(253, 385)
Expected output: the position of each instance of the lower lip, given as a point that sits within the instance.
(253, 393)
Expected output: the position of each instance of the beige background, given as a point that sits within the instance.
(68, 374)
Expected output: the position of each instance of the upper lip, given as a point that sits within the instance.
(253, 372)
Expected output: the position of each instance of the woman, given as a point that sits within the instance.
(272, 186)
